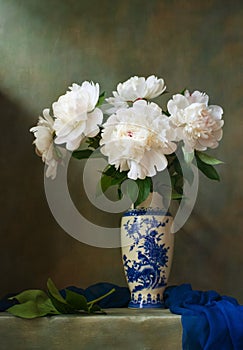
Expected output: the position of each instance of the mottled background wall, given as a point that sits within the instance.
(45, 46)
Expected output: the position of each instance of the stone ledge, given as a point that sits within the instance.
(120, 329)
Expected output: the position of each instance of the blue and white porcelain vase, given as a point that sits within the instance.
(147, 251)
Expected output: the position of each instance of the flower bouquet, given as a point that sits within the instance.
(138, 138)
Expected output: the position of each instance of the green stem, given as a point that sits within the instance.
(102, 297)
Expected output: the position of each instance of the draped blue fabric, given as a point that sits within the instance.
(210, 321)
(5, 303)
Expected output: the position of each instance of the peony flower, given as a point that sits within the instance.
(136, 88)
(197, 124)
(137, 139)
(76, 115)
(45, 147)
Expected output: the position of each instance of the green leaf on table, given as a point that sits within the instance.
(47, 305)
(96, 308)
(28, 309)
(36, 303)
(207, 159)
(77, 301)
(31, 294)
(33, 303)
(207, 169)
(93, 307)
(57, 300)
(52, 289)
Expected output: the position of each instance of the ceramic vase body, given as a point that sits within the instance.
(147, 251)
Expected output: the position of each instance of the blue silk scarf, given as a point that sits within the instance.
(209, 321)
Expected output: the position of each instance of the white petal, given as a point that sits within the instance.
(94, 119)
(217, 111)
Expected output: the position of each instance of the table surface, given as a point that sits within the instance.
(139, 329)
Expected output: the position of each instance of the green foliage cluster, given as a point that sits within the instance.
(113, 177)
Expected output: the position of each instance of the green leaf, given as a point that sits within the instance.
(31, 294)
(62, 308)
(105, 182)
(111, 177)
(33, 303)
(207, 170)
(119, 193)
(188, 156)
(207, 159)
(82, 154)
(183, 91)
(94, 142)
(177, 181)
(36, 303)
(57, 151)
(96, 308)
(188, 174)
(176, 196)
(166, 113)
(57, 300)
(101, 99)
(28, 309)
(144, 187)
(119, 178)
(48, 307)
(130, 188)
(108, 181)
(52, 289)
(113, 172)
(77, 301)
(177, 166)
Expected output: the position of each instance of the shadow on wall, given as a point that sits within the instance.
(23, 207)
(32, 245)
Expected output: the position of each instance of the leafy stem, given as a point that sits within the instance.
(92, 302)
(36, 303)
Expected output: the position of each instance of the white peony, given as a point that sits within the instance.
(76, 115)
(45, 147)
(137, 139)
(136, 88)
(197, 124)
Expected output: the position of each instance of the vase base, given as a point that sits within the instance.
(136, 305)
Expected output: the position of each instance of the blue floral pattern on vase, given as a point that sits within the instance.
(146, 259)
